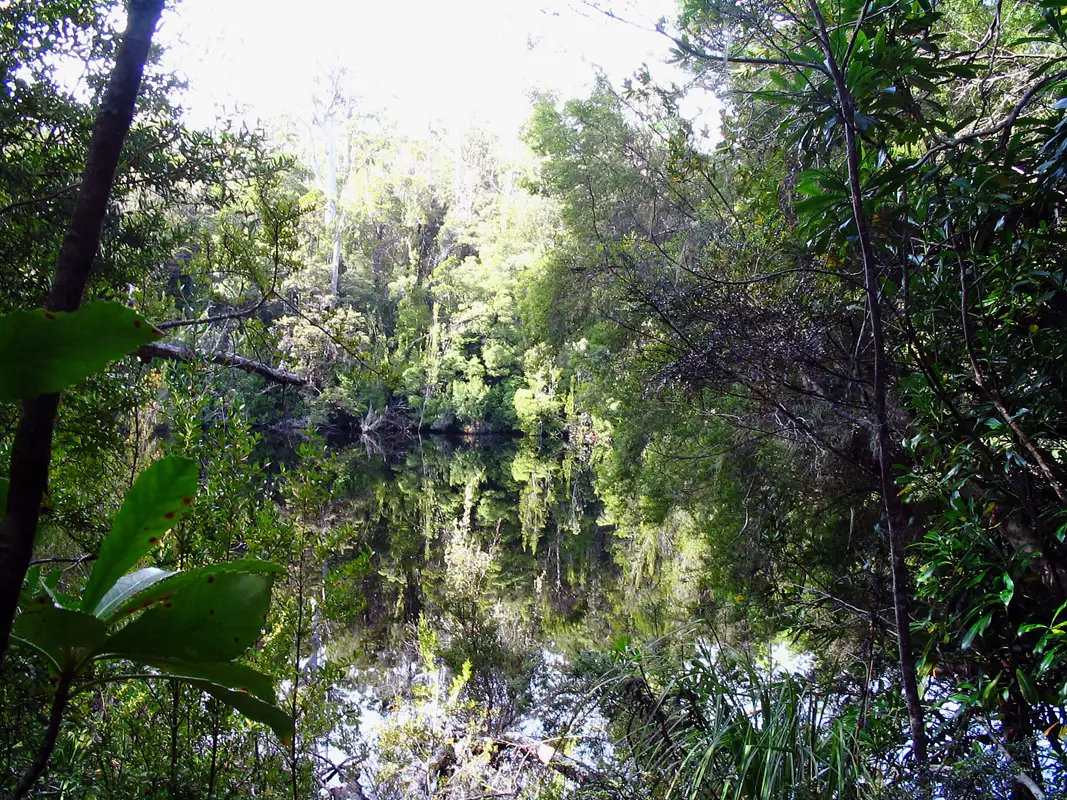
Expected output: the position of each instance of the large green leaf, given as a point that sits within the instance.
(64, 635)
(256, 710)
(128, 586)
(31, 587)
(157, 498)
(225, 674)
(4, 483)
(42, 352)
(214, 619)
(166, 589)
(51, 587)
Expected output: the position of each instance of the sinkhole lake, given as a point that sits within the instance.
(471, 578)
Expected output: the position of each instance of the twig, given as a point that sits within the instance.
(35, 200)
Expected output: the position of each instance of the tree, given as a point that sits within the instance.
(32, 447)
(820, 287)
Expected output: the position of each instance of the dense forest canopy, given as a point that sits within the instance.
(662, 456)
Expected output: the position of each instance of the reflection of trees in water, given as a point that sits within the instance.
(507, 553)
(504, 500)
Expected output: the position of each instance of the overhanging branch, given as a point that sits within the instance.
(180, 352)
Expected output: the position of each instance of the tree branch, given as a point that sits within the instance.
(689, 50)
(548, 755)
(895, 516)
(1003, 127)
(32, 201)
(238, 314)
(48, 744)
(179, 352)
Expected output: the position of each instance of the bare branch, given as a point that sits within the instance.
(1003, 127)
(32, 201)
(179, 352)
(688, 49)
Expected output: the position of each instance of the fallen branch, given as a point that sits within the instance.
(548, 755)
(179, 352)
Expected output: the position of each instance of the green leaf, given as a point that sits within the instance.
(1027, 688)
(988, 692)
(225, 674)
(63, 635)
(256, 710)
(128, 586)
(976, 630)
(214, 619)
(1008, 592)
(880, 43)
(4, 484)
(159, 496)
(31, 586)
(42, 352)
(166, 589)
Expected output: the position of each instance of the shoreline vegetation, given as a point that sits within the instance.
(644, 462)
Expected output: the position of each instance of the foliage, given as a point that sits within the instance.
(800, 378)
(716, 723)
(187, 625)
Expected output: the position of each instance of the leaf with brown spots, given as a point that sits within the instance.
(42, 352)
(149, 510)
(128, 586)
(184, 628)
(175, 584)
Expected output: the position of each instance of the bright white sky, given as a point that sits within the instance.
(452, 62)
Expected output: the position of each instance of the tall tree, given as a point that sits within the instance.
(31, 452)
(333, 109)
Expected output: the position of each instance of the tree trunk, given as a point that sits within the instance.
(48, 744)
(335, 257)
(895, 516)
(32, 449)
(333, 227)
(1018, 732)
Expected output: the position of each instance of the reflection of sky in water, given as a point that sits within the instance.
(587, 728)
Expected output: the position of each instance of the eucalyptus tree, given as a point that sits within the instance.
(334, 107)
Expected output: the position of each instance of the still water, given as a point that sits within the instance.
(486, 571)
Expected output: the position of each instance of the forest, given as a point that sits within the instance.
(653, 458)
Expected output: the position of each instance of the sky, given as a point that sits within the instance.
(422, 62)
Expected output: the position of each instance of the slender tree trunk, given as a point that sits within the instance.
(335, 257)
(294, 709)
(1018, 731)
(895, 516)
(32, 449)
(175, 724)
(48, 744)
(332, 219)
(215, 730)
